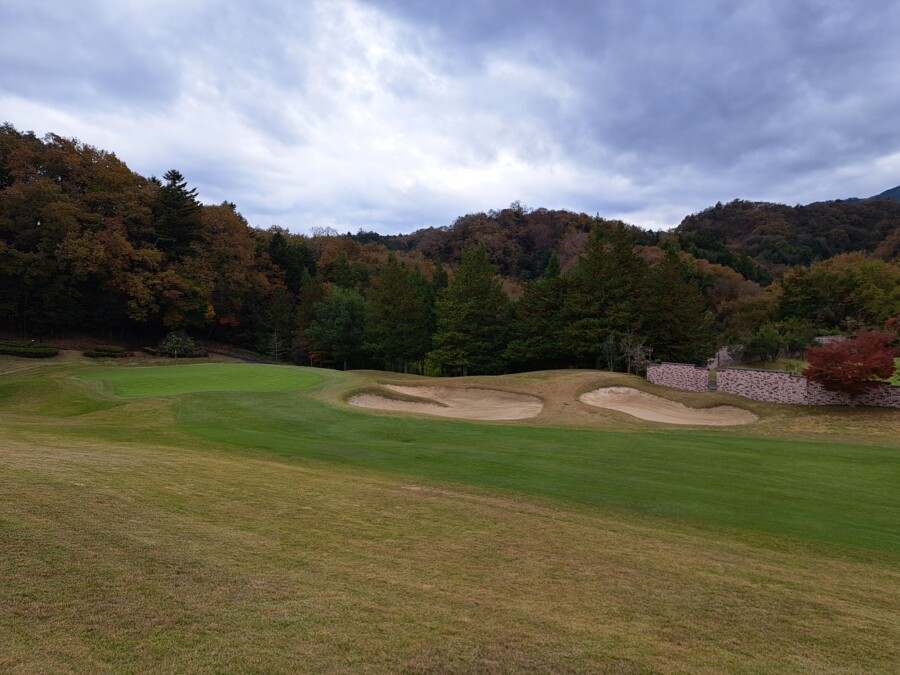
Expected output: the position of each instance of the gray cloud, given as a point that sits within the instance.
(398, 114)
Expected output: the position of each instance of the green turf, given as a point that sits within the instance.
(193, 378)
(217, 518)
(836, 494)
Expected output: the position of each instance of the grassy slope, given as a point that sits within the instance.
(329, 538)
(835, 494)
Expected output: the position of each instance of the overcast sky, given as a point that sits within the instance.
(392, 115)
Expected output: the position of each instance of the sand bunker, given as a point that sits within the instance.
(658, 409)
(469, 404)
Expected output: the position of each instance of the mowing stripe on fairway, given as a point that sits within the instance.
(196, 378)
(817, 492)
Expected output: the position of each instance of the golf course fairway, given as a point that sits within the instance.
(235, 517)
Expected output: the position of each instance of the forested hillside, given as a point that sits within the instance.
(88, 245)
(763, 240)
(518, 240)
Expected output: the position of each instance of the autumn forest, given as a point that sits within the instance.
(87, 245)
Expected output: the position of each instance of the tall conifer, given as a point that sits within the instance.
(398, 315)
(473, 319)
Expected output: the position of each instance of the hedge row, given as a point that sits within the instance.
(28, 350)
(107, 352)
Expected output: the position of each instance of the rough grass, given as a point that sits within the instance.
(281, 530)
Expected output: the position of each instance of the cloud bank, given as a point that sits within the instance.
(392, 115)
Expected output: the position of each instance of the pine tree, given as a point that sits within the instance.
(398, 317)
(311, 293)
(275, 321)
(473, 315)
(177, 216)
(292, 255)
(537, 327)
(339, 325)
(605, 292)
(676, 317)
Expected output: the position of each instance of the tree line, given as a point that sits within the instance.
(87, 244)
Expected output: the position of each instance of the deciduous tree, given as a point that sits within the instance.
(853, 366)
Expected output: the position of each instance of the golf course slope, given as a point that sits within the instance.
(658, 409)
(454, 402)
(229, 517)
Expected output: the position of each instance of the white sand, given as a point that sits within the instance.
(469, 404)
(657, 409)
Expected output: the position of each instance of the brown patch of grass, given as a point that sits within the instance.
(140, 558)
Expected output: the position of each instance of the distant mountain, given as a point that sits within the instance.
(762, 240)
(518, 240)
(892, 194)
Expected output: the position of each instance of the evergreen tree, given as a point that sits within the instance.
(473, 316)
(398, 318)
(339, 325)
(676, 318)
(347, 274)
(275, 323)
(554, 269)
(605, 292)
(291, 254)
(311, 293)
(177, 216)
(440, 280)
(538, 324)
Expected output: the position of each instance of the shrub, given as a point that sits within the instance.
(19, 343)
(178, 345)
(107, 352)
(28, 350)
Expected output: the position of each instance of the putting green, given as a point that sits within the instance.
(203, 377)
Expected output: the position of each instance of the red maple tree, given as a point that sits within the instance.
(853, 365)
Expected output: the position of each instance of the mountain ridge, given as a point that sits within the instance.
(891, 194)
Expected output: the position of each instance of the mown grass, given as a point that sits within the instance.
(836, 494)
(204, 377)
(276, 529)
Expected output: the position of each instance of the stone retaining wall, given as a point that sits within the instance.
(771, 386)
(883, 396)
(684, 376)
